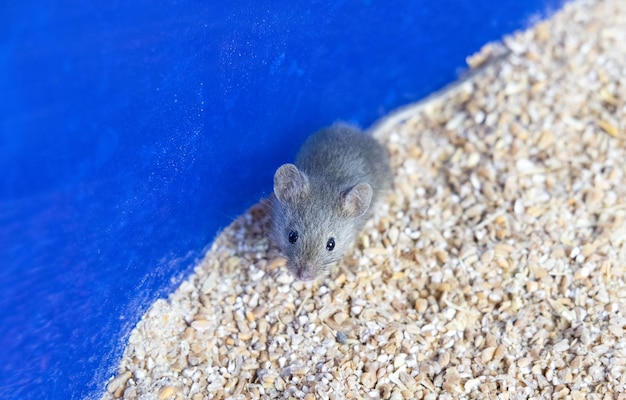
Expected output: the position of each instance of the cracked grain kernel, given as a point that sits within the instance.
(608, 128)
(166, 392)
(368, 379)
(201, 325)
(421, 305)
(487, 354)
(562, 345)
(116, 386)
(452, 381)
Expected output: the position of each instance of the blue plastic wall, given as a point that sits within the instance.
(131, 131)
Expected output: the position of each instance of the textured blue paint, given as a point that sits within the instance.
(131, 131)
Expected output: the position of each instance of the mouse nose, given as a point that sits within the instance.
(304, 274)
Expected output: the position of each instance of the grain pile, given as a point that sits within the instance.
(496, 268)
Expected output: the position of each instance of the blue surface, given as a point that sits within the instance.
(130, 132)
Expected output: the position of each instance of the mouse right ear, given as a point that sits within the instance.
(289, 183)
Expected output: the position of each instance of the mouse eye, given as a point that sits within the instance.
(293, 236)
(330, 245)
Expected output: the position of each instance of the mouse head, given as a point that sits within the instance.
(314, 224)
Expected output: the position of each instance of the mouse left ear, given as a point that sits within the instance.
(356, 200)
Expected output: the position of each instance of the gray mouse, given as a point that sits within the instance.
(321, 203)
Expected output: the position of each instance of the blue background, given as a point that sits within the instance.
(130, 132)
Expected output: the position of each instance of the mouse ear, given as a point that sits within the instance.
(356, 200)
(290, 183)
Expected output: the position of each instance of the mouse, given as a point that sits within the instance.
(322, 201)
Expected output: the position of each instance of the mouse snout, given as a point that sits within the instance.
(303, 272)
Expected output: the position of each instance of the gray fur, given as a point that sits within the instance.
(338, 175)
